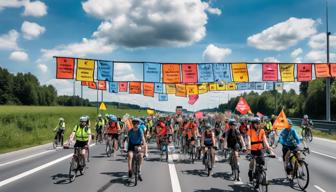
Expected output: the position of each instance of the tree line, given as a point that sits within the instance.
(310, 100)
(25, 89)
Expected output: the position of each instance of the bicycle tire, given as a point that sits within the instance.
(166, 152)
(73, 169)
(263, 185)
(209, 166)
(136, 176)
(304, 165)
(310, 135)
(303, 134)
(108, 148)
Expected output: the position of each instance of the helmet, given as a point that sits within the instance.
(113, 118)
(290, 122)
(136, 121)
(255, 120)
(232, 122)
(99, 115)
(61, 119)
(83, 119)
(305, 116)
(207, 126)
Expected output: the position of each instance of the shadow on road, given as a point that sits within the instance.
(224, 175)
(98, 156)
(61, 178)
(119, 177)
(196, 172)
(240, 188)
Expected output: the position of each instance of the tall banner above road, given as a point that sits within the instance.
(287, 72)
(189, 73)
(152, 72)
(205, 73)
(105, 70)
(222, 72)
(171, 73)
(85, 70)
(304, 72)
(65, 68)
(240, 72)
(322, 70)
(270, 72)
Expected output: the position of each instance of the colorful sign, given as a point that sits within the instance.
(213, 86)
(242, 106)
(205, 73)
(102, 85)
(123, 86)
(231, 86)
(269, 85)
(270, 72)
(281, 121)
(222, 72)
(193, 99)
(152, 72)
(189, 73)
(304, 72)
(85, 70)
(287, 72)
(113, 87)
(105, 70)
(65, 68)
(158, 88)
(260, 86)
(242, 86)
(333, 69)
(240, 72)
(202, 88)
(181, 90)
(192, 89)
(220, 87)
(163, 97)
(170, 89)
(171, 73)
(135, 87)
(322, 70)
(148, 89)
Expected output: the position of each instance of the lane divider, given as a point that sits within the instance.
(24, 174)
(323, 154)
(28, 157)
(173, 175)
(319, 188)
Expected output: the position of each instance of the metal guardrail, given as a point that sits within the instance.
(322, 125)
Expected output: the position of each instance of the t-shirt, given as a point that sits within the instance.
(142, 127)
(135, 136)
(232, 137)
(289, 137)
(256, 138)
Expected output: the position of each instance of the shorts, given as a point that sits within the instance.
(131, 147)
(259, 156)
(234, 147)
(286, 148)
(114, 136)
(81, 144)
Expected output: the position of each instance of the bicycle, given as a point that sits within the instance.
(307, 133)
(109, 147)
(299, 168)
(136, 164)
(59, 139)
(77, 163)
(208, 157)
(99, 136)
(259, 179)
(164, 148)
(191, 151)
(234, 165)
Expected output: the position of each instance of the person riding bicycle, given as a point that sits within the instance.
(233, 139)
(60, 128)
(191, 132)
(161, 130)
(100, 123)
(136, 139)
(306, 122)
(112, 129)
(208, 140)
(290, 140)
(256, 142)
(82, 133)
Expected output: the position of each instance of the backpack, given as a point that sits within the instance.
(232, 137)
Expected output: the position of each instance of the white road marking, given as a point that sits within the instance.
(323, 154)
(238, 182)
(173, 175)
(319, 188)
(24, 174)
(28, 157)
(323, 139)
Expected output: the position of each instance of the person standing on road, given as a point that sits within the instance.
(60, 128)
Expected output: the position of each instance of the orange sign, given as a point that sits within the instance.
(322, 70)
(181, 90)
(102, 85)
(148, 89)
(192, 89)
(171, 73)
(281, 121)
(92, 85)
(333, 69)
(65, 68)
(135, 87)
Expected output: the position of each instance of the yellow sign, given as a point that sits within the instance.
(170, 89)
(202, 88)
(240, 72)
(231, 86)
(192, 89)
(181, 90)
(102, 106)
(85, 70)
(150, 112)
(220, 87)
(287, 72)
(212, 86)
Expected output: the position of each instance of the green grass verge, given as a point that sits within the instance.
(318, 133)
(26, 126)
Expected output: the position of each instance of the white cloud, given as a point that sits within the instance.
(31, 8)
(63, 87)
(297, 52)
(319, 41)
(213, 53)
(212, 10)
(284, 34)
(319, 56)
(124, 72)
(43, 68)
(271, 59)
(18, 56)
(9, 41)
(35, 9)
(31, 30)
(133, 23)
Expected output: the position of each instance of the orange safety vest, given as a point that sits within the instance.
(256, 139)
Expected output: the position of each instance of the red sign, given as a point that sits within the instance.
(193, 99)
(92, 85)
(102, 85)
(65, 68)
(242, 106)
(333, 69)
(123, 86)
(85, 83)
(270, 72)
(304, 72)
(199, 115)
(189, 73)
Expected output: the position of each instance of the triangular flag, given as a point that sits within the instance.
(193, 99)
(102, 106)
(281, 121)
(242, 106)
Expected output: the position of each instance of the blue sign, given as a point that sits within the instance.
(242, 86)
(158, 88)
(269, 85)
(163, 97)
(222, 72)
(260, 86)
(105, 70)
(205, 73)
(252, 86)
(113, 87)
(152, 72)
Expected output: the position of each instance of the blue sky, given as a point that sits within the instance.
(165, 31)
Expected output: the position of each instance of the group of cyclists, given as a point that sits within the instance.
(248, 134)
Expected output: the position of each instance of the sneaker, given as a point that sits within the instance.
(129, 174)
(250, 175)
(139, 177)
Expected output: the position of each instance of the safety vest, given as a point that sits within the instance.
(82, 134)
(256, 139)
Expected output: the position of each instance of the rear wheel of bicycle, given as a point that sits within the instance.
(309, 135)
(263, 185)
(166, 152)
(136, 172)
(302, 175)
(73, 169)
(108, 148)
(209, 159)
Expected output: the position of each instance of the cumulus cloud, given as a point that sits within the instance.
(284, 34)
(31, 8)
(213, 53)
(124, 72)
(319, 41)
(64, 87)
(267, 59)
(43, 68)
(133, 23)
(319, 56)
(31, 30)
(18, 56)
(297, 52)
(9, 41)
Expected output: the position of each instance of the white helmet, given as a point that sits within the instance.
(305, 116)
(61, 119)
(83, 119)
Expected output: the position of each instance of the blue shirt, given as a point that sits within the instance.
(289, 137)
(142, 127)
(135, 137)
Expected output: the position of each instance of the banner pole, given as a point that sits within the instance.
(97, 99)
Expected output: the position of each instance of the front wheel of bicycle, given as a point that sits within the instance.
(73, 169)
(302, 175)
(108, 149)
(263, 185)
(309, 135)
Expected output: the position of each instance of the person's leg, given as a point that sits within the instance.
(130, 158)
(213, 156)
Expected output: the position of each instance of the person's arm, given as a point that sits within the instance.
(202, 139)
(296, 136)
(90, 137)
(213, 139)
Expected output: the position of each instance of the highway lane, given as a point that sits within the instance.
(110, 174)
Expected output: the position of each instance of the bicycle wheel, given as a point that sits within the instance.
(192, 155)
(303, 134)
(309, 135)
(54, 144)
(108, 148)
(166, 152)
(302, 174)
(263, 185)
(73, 169)
(136, 172)
(209, 166)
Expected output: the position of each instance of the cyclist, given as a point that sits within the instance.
(256, 142)
(82, 133)
(305, 121)
(191, 132)
(135, 140)
(143, 128)
(233, 139)
(60, 128)
(161, 130)
(290, 140)
(208, 139)
(100, 123)
(112, 129)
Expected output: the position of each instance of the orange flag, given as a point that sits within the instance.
(281, 121)
(148, 89)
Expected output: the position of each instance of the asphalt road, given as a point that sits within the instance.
(42, 169)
